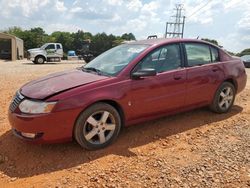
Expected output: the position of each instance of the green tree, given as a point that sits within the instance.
(100, 43)
(32, 38)
(78, 39)
(128, 36)
(211, 41)
(65, 38)
(17, 31)
(244, 52)
(36, 37)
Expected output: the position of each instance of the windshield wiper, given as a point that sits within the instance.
(92, 69)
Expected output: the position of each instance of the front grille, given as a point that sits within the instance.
(16, 101)
(28, 55)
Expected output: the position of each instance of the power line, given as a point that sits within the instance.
(199, 9)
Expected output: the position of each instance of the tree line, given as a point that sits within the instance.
(242, 53)
(100, 42)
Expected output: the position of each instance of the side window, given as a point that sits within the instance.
(154, 57)
(58, 46)
(50, 47)
(162, 59)
(215, 54)
(197, 54)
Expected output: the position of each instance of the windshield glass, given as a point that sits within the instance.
(114, 60)
(44, 46)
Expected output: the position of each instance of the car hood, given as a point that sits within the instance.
(58, 82)
(34, 49)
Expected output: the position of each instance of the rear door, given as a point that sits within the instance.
(164, 92)
(59, 50)
(204, 73)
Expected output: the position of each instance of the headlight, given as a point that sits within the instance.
(36, 107)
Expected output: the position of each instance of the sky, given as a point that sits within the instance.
(227, 21)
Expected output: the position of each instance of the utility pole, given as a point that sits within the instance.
(175, 29)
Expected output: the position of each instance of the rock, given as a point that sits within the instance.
(76, 171)
(64, 181)
(78, 167)
(164, 143)
(13, 179)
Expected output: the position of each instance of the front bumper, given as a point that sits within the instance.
(247, 64)
(49, 128)
(31, 58)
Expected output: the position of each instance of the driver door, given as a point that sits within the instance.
(164, 92)
(51, 50)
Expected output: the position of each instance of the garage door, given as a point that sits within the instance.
(5, 49)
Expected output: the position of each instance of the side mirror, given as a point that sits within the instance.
(143, 73)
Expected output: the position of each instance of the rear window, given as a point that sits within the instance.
(197, 54)
(58, 46)
(215, 54)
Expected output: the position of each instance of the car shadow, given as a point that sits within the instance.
(26, 160)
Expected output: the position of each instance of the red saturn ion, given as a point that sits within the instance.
(128, 84)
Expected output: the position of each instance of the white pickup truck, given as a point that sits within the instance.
(49, 52)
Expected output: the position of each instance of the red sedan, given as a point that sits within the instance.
(128, 84)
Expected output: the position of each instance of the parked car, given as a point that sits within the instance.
(126, 85)
(49, 52)
(246, 60)
(72, 55)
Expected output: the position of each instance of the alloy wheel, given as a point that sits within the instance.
(99, 127)
(226, 98)
(40, 60)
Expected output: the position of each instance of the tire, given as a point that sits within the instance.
(39, 60)
(97, 127)
(224, 98)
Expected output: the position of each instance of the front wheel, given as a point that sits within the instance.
(39, 60)
(97, 126)
(224, 98)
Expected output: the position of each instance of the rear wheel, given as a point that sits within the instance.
(98, 126)
(224, 98)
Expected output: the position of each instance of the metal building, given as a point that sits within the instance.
(11, 47)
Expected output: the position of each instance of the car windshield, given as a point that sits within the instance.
(114, 60)
(44, 46)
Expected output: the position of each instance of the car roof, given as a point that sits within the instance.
(159, 41)
(52, 43)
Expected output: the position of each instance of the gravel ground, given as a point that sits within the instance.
(192, 149)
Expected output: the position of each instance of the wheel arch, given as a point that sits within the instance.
(116, 105)
(41, 55)
(232, 81)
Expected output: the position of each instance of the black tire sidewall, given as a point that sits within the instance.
(80, 123)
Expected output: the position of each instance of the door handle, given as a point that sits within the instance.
(215, 69)
(177, 77)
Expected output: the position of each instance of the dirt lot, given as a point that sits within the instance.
(192, 149)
